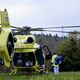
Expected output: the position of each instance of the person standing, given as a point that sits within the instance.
(55, 66)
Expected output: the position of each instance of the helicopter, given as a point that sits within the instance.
(18, 51)
(19, 48)
(28, 53)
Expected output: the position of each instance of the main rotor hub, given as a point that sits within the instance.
(27, 28)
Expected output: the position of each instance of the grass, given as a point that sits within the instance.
(50, 76)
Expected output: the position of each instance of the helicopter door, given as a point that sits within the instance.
(47, 52)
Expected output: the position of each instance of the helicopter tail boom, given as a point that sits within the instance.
(4, 19)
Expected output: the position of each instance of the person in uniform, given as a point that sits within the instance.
(55, 67)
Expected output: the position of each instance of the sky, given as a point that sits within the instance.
(42, 13)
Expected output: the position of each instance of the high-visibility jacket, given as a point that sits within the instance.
(53, 61)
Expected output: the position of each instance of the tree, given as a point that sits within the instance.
(70, 50)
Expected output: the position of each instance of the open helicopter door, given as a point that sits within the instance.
(47, 52)
(48, 57)
(6, 39)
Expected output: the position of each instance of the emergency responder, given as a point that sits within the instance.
(55, 67)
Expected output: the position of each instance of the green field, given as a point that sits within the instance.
(50, 76)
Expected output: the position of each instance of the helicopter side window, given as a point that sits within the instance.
(29, 40)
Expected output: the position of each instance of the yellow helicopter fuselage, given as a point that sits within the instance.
(25, 51)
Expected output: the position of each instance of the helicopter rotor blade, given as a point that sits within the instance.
(16, 27)
(28, 29)
(13, 27)
(56, 27)
(60, 31)
(21, 28)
